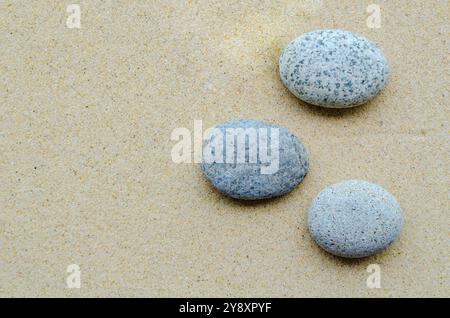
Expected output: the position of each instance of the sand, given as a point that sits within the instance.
(86, 171)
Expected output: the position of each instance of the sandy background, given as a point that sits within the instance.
(85, 151)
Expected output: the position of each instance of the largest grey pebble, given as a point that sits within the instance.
(354, 218)
(333, 68)
(245, 180)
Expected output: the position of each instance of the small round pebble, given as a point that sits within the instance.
(278, 163)
(333, 68)
(354, 218)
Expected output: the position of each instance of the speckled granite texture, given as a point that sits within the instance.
(254, 177)
(85, 151)
(354, 218)
(333, 68)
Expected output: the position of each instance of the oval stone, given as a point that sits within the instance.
(354, 218)
(333, 68)
(249, 159)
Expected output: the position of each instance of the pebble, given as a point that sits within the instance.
(354, 218)
(259, 177)
(333, 68)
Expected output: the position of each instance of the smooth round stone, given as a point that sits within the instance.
(333, 68)
(354, 218)
(251, 179)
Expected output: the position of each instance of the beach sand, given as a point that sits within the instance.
(87, 176)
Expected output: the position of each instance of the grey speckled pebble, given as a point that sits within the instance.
(245, 179)
(333, 68)
(354, 218)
